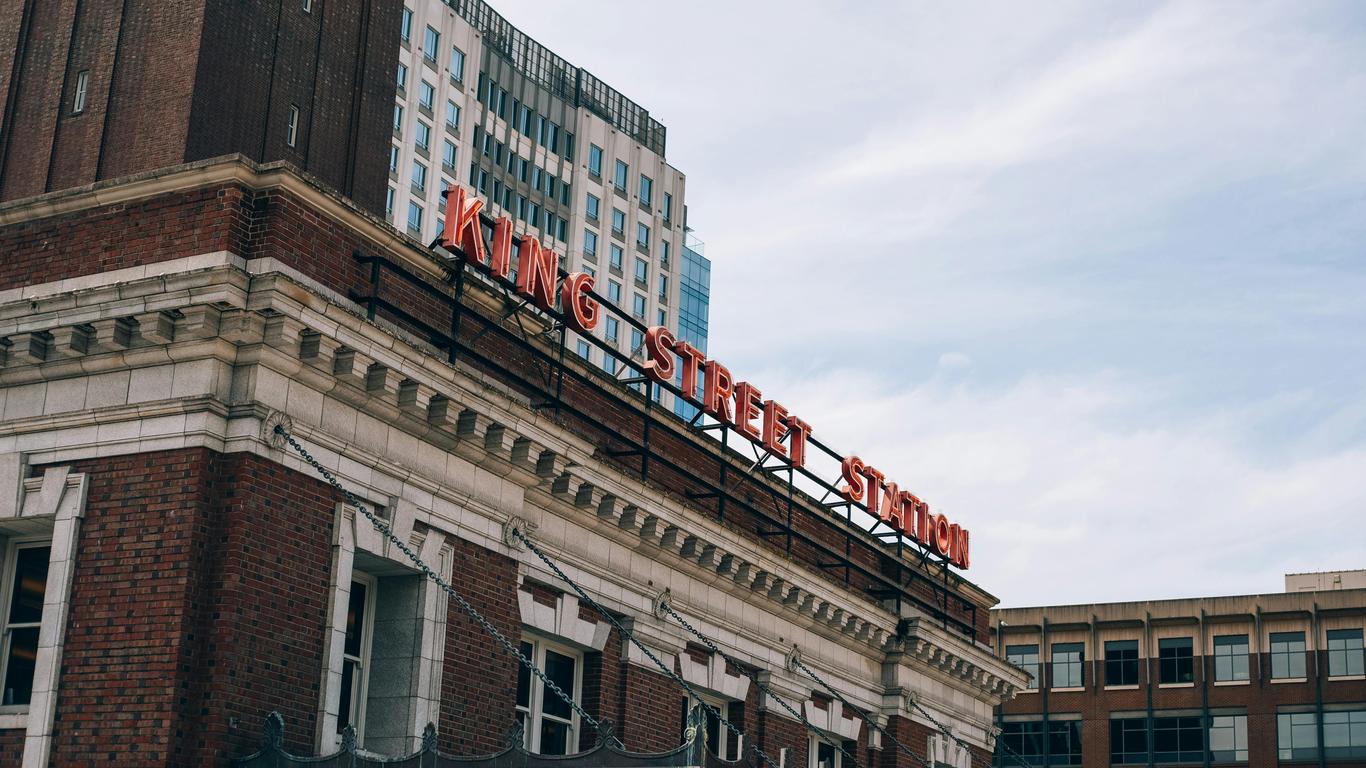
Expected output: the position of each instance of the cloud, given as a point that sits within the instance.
(1070, 498)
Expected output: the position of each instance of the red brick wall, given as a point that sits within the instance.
(198, 606)
(479, 677)
(176, 82)
(11, 747)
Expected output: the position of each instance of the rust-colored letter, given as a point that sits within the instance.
(692, 361)
(580, 309)
(660, 363)
(775, 428)
(537, 269)
(797, 443)
(717, 388)
(462, 228)
(747, 398)
(502, 248)
(875, 479)
(851, 469)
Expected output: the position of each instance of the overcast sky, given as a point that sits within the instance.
(1090, 277)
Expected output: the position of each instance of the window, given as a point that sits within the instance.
(668, 208)
(457, 65)
(25, 585)
(1175, 662)
(1230, 657)
(414, 218)
(615, 257)
(419, 176)
(292, 126)
(720, 741)
(609, 363)
(637, 341)
(389, 202)
(1068, 665)
(549, 723)
(448, 154)
(1345, 654)
(638, 306)
(1121, 662)
(642, 270)
(613, 325)
(1287, 655)
(426, 94)
(406, 25)
(360, 620)
(398, 119)
(1129, 740)
(661, 317)
(618, 222)
(1228, 738)
(614, 292)
(424, 136)
(430, 44)
(308, 6)
(82, 88)
(646, 190)
(592, 207)
(590, 243)
(452, 115)
(643, 236)
(595, 160)
(584, 350)
(1344, 734)
(1297, 736)
(402, 77)
(393, 159)
(619, 176)
(664, 287)
(1025, 657)
(1027, 740)
(1178, 740)
(664, 254)
(824, 754)
(568, 149)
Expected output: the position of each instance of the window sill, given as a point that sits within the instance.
(1221, 683)
(1176, 685)
(13, 720)
(1281, 680)
(1023, 691)
(1336, 678)
(1121, 687)
(1077, 689)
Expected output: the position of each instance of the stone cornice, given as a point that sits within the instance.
(273, 321)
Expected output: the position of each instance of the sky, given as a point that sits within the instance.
(1088, 277)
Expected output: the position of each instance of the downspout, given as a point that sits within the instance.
(1148, 681)
(1045, 681)
(1204, 688)
(1318, 682)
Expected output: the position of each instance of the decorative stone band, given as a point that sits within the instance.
(375, 369)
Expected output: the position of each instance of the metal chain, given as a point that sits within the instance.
(584, 596)
(1018, 758)
(798, 662)
(507, 644)
(664, 605)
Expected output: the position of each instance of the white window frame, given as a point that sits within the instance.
(360, 683)
(13, 546)
(813, 749)
(292, 126)
(82, 89)
(534, 711)
(723, 734)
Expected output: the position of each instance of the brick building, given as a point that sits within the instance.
(102, 90)
(1257, 680)
(173, 571)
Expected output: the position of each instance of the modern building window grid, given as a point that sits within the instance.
(1121, 662)
(1287, 655)
(1231, 658)
(1176, 660)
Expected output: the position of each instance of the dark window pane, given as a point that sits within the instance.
(30, 582)
(355, 618)
(23, 654)
(524, 679)
(344, 708)
(560, 670)
(554, 737)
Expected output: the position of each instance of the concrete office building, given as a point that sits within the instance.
(547, 144)
(1258, 680)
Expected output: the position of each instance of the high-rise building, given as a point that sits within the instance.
(694, 302)
(97, 91)
(1261, 680)
(547, 144)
